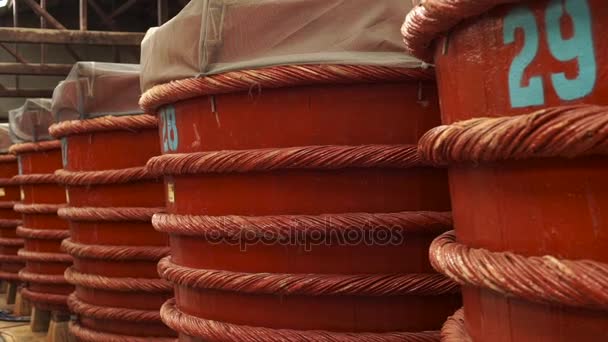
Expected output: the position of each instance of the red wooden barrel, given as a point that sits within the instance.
(42, 229)
(301, 211)
(528, 185)
(10, 243)
(115, 248)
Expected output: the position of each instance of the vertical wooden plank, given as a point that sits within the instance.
(83, 15)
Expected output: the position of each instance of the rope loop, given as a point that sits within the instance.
(41, 146)
(37, 208)
(131, 123)
(87, 335)
(117, 284)
(104, 177)
(114, 253)
(111, 313)
(108, 214)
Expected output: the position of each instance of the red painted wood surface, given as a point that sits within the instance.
(44, 162)
(107, 150)
(536, 207)
(302, 116)
(11, 193)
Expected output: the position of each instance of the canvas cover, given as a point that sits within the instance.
(214, 36)
(94, 89)
(31, 122)
(5, 138)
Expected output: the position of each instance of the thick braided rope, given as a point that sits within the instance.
(44, 257)
(37, 208)
(87, 335)
(454, 329)
(56, 300)
(9, 181)
(11, 259)
(546, 279)
(6, 223)
(46, 234)
(111, 313)
(219, 331)
(11, 242)
(35, 147)
(7, 204)
(274, 77)
(308, 284)
(284, 226)
(9, 276)
(108, 214)
(35, 178)
(115, 253)
(118, 176)
(7, 158)
(117, 284)
(307, 157)
(568, 131)
(432, 18)
(131, 123)
(31, 277)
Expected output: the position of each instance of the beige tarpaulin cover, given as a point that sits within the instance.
(31, 121)
(94, 89)
(5, 138)
(214, 36)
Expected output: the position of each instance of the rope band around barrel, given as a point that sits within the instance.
(546, 279)
(51, 299)
(118, 176)
(9, 181)
(114, 253)
(38, 208)
(330, 157)
(41, 146)
(219, 331)
(87, 335)
(308, 284)
(275, 77)
(8, 158)
(35, 178)
(131, 123)
(454, 329)
(117, 284)
(12, 259)
(135, 214)
(111, 313)
(31, 277)
(44, 257)
(9, 276)
(5, 223)
(432, 18)
(7, 204)
(568, 131)
(11, 242)
(46, 234)
(284, 226)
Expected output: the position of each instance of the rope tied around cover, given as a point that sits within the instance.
(275, 77)
(432, 18)
(41, 146)
(567, 132)
(308, 157)
(308, 284)
(545, 279)
(131, 123)
(114, 253)
(219, 331)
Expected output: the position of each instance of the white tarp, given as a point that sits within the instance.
(31, 121)
(94, 89)
(214, 36)
(5, 138)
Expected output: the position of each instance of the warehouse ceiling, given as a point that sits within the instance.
(41, 39)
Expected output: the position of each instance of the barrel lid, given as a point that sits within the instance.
(215, 36)
(94, 89)
(30, 122)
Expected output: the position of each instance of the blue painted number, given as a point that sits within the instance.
(580, 48)
(531, 95)
(170, 137)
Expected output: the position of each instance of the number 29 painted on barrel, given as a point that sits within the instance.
(169, 134)
(579, 47)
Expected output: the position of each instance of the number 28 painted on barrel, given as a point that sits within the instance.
(579, 47)
(169, 134)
